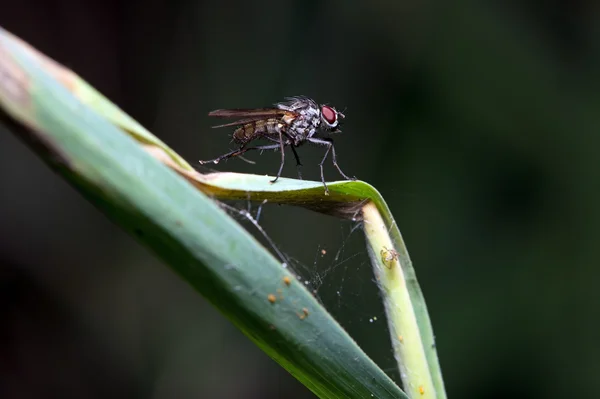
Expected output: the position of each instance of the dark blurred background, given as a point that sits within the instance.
(478, 121)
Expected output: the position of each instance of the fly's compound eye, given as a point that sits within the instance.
(329, 115)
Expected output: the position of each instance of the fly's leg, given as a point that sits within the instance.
(291, 143)
(231, 154)
(330, 147)
(329, 142)
(336, 164)
(282, 157)
(240, 151)
(298, 163)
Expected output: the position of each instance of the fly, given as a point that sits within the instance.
(291, 123)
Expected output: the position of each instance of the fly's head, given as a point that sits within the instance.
(331, 119)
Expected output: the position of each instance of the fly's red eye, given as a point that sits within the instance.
(328, 114)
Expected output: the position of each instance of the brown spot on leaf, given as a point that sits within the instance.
(14, 83)
(304, 314)
(58, 71)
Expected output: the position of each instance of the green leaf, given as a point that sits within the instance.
(408, 319)
(101, 157)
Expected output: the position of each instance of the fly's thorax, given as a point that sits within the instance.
(308, 120)
(305, 107)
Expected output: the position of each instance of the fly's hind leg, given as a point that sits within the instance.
(240, 151)
(231, 154)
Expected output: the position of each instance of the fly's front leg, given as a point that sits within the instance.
(329, 143)
(336, 164)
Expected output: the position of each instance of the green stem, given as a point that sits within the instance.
(402, 321)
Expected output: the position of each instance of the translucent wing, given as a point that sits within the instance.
(250, 115)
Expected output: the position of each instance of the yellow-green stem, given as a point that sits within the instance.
(404, 330)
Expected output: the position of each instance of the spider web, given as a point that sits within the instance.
(338, 273)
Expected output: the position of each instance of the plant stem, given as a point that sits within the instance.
(402, 321)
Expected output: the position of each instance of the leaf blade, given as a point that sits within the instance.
(188, 230)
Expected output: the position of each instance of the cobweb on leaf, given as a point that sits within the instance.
(341, 280)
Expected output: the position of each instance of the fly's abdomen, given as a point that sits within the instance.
(253, 130)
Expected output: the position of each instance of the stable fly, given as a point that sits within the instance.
(291, 123)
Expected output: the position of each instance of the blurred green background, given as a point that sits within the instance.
(478, 121)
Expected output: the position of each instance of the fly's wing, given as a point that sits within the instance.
(251, 115)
